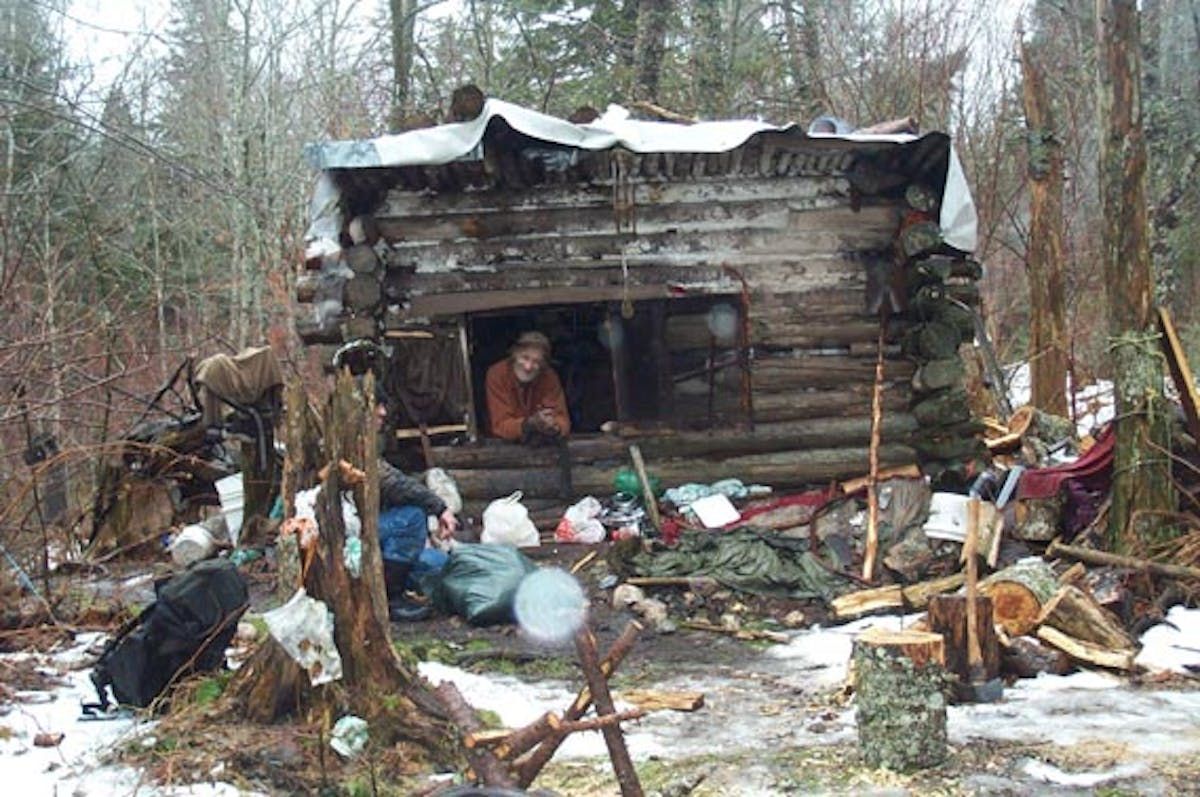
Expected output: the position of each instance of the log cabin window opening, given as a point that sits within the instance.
(671, 364)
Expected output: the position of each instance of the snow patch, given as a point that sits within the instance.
(1048, 773)
(1173, 644)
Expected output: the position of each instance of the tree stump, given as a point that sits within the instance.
(270, 685)
(901, 712)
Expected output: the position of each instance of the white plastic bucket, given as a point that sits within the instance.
(230, 491)
(191, 544)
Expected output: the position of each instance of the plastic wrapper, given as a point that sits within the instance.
(304, 628)
(349, 736)
(581, 522)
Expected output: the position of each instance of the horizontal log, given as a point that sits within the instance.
(765, 438)
(772, 212)
(1104, 559)
(794, 405)
(812, 232)
(913, 597)
(780, 470)
(572, 198)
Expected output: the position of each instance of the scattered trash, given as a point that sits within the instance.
(304, 627)
(349, 736)
(506, 522)
(580, 523)
(444, 487)
(715, 511)
(191, 544)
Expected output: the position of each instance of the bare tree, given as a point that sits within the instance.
(1141, 490)
(1044, 258)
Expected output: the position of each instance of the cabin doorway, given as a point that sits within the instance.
(580, 357)
(653, 363)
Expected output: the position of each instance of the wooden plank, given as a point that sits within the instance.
(1181, 372)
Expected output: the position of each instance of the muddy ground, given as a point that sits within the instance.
(777, 718)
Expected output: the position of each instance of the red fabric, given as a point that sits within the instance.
(1094, 469)
(814, 498)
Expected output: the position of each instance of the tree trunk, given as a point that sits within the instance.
(404, 20)
(1141, 489)
(270, 685)
(804, 56)
(653, 16)
(707, 59)
(1044, 257)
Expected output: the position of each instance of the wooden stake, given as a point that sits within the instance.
(627, 778)
(648, 499)
(872, 550)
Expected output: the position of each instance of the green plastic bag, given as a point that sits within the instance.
(479, 583)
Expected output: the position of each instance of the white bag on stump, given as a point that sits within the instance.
(506, 522)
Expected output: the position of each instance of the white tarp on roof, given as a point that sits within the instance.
(442, 144)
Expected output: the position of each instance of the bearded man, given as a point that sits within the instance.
(525, 399)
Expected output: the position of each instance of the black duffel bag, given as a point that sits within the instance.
(186, 630)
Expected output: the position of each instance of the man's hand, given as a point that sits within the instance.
(543, 422)
(447, 524)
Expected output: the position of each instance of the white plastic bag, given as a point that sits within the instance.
(304, 628)
(580, 523)
(506, 521)
(442, 485)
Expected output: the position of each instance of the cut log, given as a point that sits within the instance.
(490, 770)
(1018, 594)
(914, 596)
(919, 647)
(658, 700)
(1025, 657)
(901, 714)
(866, 601)
(1077, 613)
(948, 617)
(362, 292)
(1086, 652)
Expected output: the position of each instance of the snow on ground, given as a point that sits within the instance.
(1093, 403)
(73, 767)
(779, 698)
(744, 707)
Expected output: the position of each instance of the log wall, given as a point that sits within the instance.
(785, 227)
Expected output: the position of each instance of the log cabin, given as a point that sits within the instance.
(717, 292)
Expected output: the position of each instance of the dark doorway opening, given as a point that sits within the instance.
(579, 356)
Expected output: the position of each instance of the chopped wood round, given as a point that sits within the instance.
(1018, 594)
(901, 713)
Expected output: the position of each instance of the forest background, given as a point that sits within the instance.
(153, 203)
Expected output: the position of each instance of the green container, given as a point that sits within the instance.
(626, 481)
